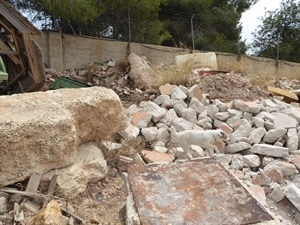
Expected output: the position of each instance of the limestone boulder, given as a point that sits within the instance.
(41, 131)
(141, 72)
(50, 215)
(89, 167)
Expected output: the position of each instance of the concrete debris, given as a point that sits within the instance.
(254, 129)
(46, 126)
(260, 145)
(292, 192)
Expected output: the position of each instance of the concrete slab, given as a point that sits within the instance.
(192, 192)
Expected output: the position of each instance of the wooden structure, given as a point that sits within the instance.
(21, 56)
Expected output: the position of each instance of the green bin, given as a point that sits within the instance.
(65, 82)
(3, 73)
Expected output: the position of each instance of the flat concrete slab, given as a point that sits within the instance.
(192, 192)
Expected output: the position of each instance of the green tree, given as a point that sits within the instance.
(279, 33)
(216, 23)
(105, 18)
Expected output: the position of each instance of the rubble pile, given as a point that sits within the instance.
(229, 86)
(130, 80)
(263, 149)
(264, 146)
(127, 80)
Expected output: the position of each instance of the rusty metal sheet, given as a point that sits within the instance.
(196, 192)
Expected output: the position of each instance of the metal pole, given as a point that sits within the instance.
(278, 40)
(129, 28)
(239, 43)
(192, 27)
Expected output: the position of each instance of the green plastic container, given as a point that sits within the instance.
(65, 82)
(3, 73)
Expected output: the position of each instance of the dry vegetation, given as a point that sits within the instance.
(173, 75)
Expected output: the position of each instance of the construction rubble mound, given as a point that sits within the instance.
(58, 147)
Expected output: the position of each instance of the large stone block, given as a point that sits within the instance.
(41, 131)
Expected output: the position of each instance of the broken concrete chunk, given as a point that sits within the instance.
(235, 112)
(234, 122)
(149, 133)
(251, 161)
(256, 135)
(282, 120)
(293, 112)
(237, 147)
(292, 140)
(269, 150)
(292, 192)
(161, 100)
(274, 135)
(163, 134)
(195, 92)
(250, 107)
(190, 115)
(130, 132)
(197, 105)
(179, 108)
(276, 193)
(242, 131)
(154, 110)
(211, 111)
(258, 122)
(287, 169)
(131, 110)
(168, 117)
(266, 160)
(181, 124)
(237, 162)
(177, 93)
(222, 116)
(221, 105)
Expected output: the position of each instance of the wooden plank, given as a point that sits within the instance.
(34, 182)
(78, 218)
(52, 184)
(23, 193)
(287, 95)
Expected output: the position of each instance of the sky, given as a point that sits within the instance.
(250, 19)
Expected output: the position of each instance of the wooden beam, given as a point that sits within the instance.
(287, 95)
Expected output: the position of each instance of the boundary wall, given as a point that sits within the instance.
(63, 51)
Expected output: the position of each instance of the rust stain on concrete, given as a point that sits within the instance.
(194, 192)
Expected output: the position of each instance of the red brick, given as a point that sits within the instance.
(275, 175)
(296, 161)
(227, 129)
(166, 89)
(153, 156)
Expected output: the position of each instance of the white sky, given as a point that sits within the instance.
(250, 19)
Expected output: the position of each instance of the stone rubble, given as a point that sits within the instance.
(263, 146)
